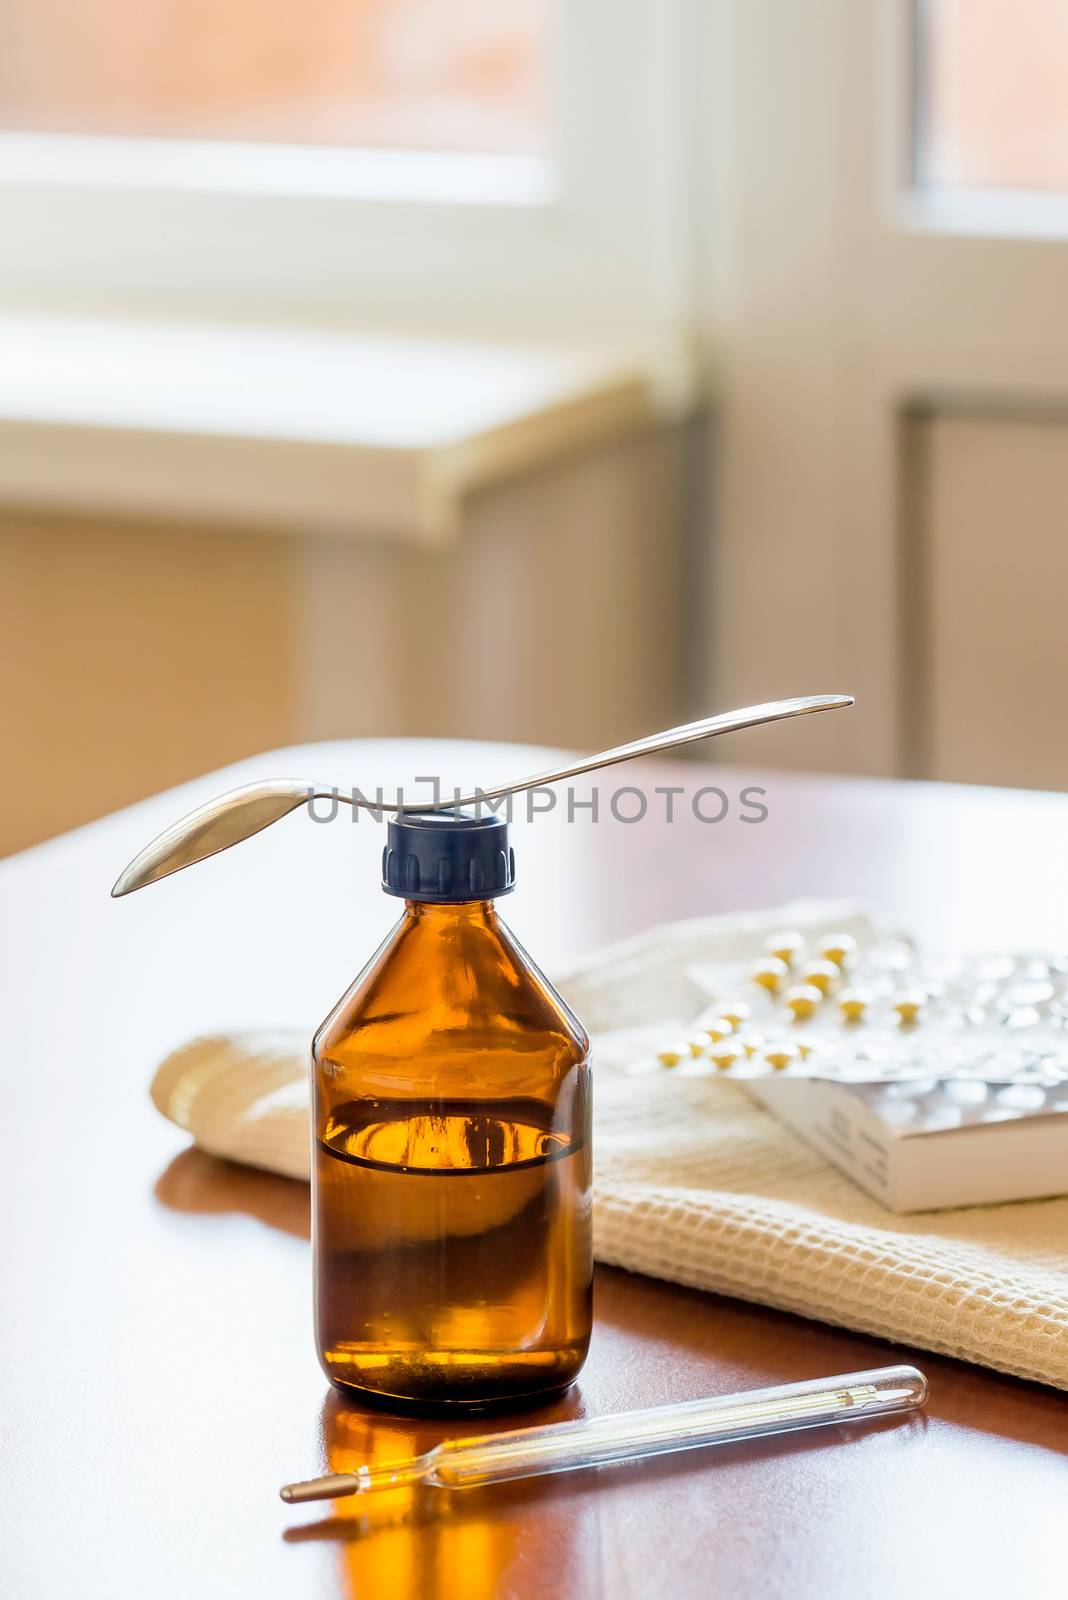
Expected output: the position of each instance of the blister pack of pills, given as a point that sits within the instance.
(880, 1013)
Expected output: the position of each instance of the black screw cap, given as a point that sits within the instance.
(446, 857)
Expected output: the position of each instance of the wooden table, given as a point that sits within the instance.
(156, 1349)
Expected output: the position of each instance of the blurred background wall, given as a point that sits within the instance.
(135, 654)
(845, 219)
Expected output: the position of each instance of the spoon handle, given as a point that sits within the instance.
(233, 817)
(686, 733)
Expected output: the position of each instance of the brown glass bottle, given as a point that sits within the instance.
(451, 1179)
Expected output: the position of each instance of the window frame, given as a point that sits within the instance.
(880, 309)
(591, 238)
(977, 211)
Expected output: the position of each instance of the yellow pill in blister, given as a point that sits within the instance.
(735, 1012)
(802, 1000)
(821, 975)
(781, 1056)
(725, 1055)
(719, 1028)
(669, 1055)
(771, 973)
(750, 1043)
(839, 948)
(853, 1003)
(788, 947)
(698, 1044)
(909, 1004)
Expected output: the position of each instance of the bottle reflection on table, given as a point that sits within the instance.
(425, 1543)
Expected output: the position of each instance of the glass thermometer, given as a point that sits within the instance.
(602, 1441)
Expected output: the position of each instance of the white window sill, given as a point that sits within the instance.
(305, 430)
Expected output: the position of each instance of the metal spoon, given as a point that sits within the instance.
(242, 812)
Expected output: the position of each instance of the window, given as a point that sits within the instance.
(455, 162)
(409, 74)
(992, 80)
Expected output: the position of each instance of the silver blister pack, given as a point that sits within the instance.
(877, 1014)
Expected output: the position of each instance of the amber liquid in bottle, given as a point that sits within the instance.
(453, 1257)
